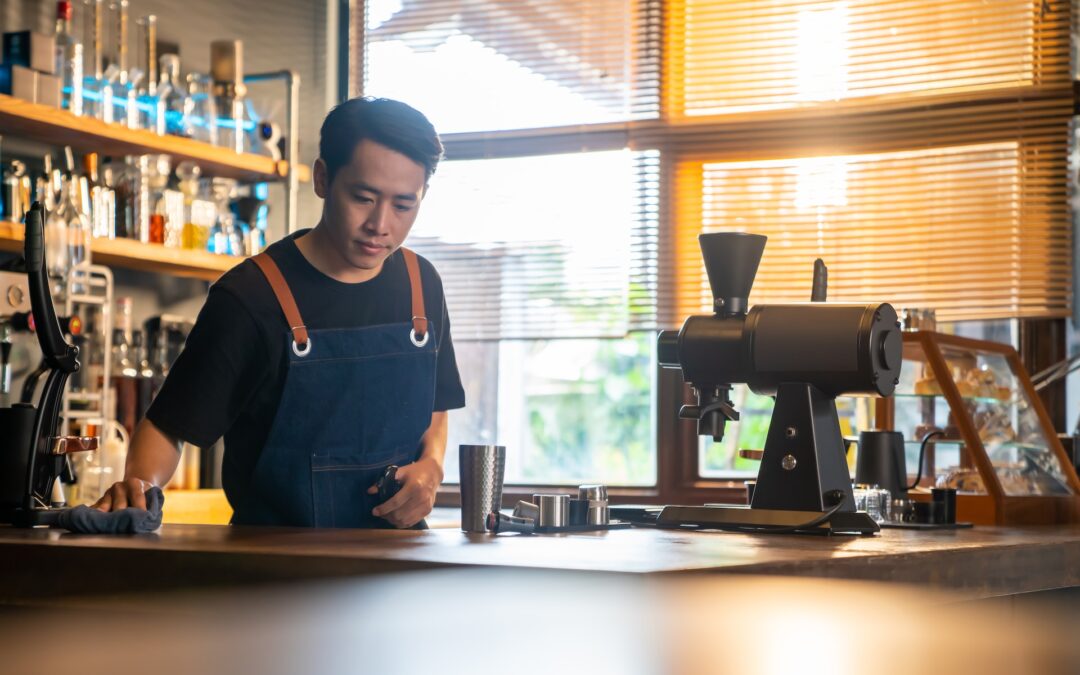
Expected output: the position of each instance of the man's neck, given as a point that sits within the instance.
(319, 250)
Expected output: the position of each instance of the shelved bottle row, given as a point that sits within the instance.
(91, 74)
(144, 198)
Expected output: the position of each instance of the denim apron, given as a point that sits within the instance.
(355, 401)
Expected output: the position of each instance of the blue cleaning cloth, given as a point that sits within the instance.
(87, 520)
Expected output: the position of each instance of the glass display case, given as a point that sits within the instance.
(996, 446)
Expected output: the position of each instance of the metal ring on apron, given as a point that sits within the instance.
(304, 352)
(421, 342)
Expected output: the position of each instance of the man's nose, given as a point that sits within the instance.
(379, 218)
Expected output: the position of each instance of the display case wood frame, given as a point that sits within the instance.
(996, 507)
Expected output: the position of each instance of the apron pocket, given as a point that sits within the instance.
(340, 481)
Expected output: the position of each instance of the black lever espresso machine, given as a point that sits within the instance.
(803, 354)
(32, 453)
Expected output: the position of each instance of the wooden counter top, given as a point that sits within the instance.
(984, 561)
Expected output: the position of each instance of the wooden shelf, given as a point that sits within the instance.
(134, 255)
(58, 127)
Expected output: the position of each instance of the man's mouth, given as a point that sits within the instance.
(370, 248)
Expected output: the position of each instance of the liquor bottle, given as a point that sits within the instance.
(69, 59)
(102, 199)
(199, 214)
(123, 382)
(226, 239)
(56, 227)
(124, 372)
(77, 221)
(97, 92)
(122, 80)
(204, 111)
(159, 362)
(178, 105)
(144, 377)
(150, 103)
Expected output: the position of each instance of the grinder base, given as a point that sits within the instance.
(746, 519)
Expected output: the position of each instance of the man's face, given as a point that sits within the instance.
(371, 204)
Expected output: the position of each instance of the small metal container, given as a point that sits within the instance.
(597, 498)
(554, 510)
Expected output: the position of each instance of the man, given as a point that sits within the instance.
(326, 359)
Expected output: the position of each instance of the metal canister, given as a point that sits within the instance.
(597, 498)
(554, 510)
(12, 197)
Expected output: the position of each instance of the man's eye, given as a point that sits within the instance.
(363, 199)
(403, 208)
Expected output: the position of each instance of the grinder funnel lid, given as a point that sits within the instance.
(731, 261)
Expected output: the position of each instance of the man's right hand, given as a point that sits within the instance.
(128, 492)
(152, 454)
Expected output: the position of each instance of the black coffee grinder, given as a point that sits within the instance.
(805, 355)
(32, 455)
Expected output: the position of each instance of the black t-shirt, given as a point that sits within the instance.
(229, 379)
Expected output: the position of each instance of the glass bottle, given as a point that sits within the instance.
(79, 232)
(123, 81)
(117, 177)
(187, 177)
(56, 233)
(139, 205)
(226, 239)
(150, 104)
(144, 373)
(161, 199)
(123, 379)
(69, 59)
(200, 215)
(97, 92)
(204, 112)
(178, 105)
(102, 199)
(161, 362)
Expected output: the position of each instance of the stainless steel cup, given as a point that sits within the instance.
(481, 468)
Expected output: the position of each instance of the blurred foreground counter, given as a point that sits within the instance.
(481, 621)
(43, 565)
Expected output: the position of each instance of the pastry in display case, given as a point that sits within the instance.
(995, 444)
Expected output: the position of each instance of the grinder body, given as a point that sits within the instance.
(839, 348)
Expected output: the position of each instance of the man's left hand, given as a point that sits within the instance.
(414, 501)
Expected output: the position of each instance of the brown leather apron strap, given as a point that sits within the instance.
(419, 316)
(285, 299)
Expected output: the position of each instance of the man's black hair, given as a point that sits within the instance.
(390, 123)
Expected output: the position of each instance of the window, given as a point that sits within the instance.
(548, 257)
(545, 304)
(919, 148)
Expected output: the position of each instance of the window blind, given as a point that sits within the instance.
(919, 148)
(490, 65)
(558, 246)
(541, 221)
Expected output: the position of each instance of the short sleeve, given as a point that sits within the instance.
(222, 365)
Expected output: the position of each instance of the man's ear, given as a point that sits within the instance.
(320, 178)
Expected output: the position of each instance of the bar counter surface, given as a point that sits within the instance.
(979, 562)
